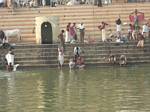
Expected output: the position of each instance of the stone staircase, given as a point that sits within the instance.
(91, 16)
(35, 56)
(28, 54)
(97, 54)
(94, 54)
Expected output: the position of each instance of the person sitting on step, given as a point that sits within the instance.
(71, 64)
(80, 62)
(141, 38)
(122, 60)
(112, 59)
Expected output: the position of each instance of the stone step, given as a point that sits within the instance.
(42, 61)
(142, 54)
(24, 58)
(47, 55)
(105, 59)
(40, 54)
(105, 46)
(24, 66)
(36, 49)
(90, 15)
(97, 63)
(95, 57)
(45, 52)
(28, 46)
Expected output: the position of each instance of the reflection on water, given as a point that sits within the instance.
(89, 90)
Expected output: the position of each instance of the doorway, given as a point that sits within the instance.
(46, 33)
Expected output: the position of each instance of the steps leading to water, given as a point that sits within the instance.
(91, 16)
(28, 55)
(32, 55)
(94, 54)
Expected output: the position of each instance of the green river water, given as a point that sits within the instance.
(109, 89)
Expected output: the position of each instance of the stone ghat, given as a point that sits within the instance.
(91, 16)
(96, 54)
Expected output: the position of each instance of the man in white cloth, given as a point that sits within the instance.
(60, 57)
(102, 28)
(118, 25)
(10, 61)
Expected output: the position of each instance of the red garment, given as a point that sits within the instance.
(72, 31)
(140, 17)
(131, 27)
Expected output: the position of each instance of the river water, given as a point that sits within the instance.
(112, 89)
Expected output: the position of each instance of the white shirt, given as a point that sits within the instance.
(145, 29)
(81, 26)
(75, 50)
(10, 58)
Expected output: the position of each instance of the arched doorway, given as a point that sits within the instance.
(47, 2)
(46, 33)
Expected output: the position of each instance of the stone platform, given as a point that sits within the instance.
(95, 54)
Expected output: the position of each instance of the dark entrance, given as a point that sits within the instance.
(46, 33)
(47, 2)
(40, 2)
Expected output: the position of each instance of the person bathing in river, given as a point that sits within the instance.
(10, 66)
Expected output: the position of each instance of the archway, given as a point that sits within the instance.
(47, 2)
(46, 33)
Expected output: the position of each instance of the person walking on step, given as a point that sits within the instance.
(102, 28)
(61, 38)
